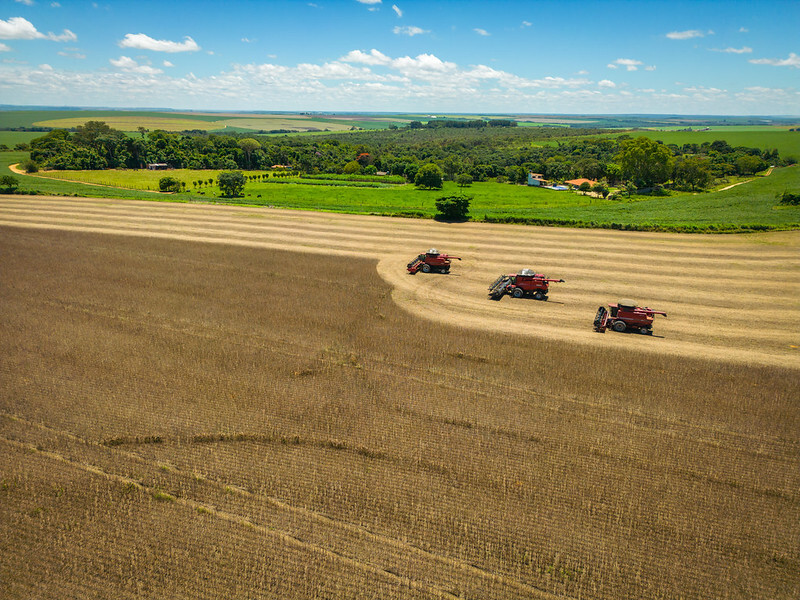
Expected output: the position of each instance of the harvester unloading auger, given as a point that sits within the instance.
(626, 316)
(524, 283)
(430, 261)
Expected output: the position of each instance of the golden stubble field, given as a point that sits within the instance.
(212, 402)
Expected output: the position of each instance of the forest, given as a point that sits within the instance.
(497, 151)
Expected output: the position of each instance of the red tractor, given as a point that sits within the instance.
(519, 285)
(626, 316)
(430, 261)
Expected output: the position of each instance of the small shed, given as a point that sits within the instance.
(158, 166)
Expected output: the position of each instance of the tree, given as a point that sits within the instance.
(748, 165)
(429, 176)
(584, 187)
(694, 171)
(452, 165)
(249, 145)
(453, 208)
(231, 183)
(169, 184)
(644, 161)
(464, 180)
(8, 184)
(352, 168)
(601, 189)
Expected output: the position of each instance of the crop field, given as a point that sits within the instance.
(203, 401)
(179, 121)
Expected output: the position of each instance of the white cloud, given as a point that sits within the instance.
(792, 61)
(397, 10)
(18, 28)
(686, 35)
(743, 30)
(612, 66)
(629, 63)
(373, 58)
(373, 81)
(742, 50)
(141, 41)
(369, 1)
(582, 72)
(167, 64)
(55, 4)
(248, 40)
(4, 48)
(650, 68)
(26, 2)
(526, 23)
(409, 30)
(72, 53)
(480, 31)
(126, 63)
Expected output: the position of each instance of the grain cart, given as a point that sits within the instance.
(524, 283)
(626, 316)
(430, 261)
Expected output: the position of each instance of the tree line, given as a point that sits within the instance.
(459, 153)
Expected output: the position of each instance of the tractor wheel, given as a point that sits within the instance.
(619, 326)
(539, 295)
(445, 270)
(645, 331)
(518, 293)
(426, 268)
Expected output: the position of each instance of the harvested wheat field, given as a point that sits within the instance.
(219, 402)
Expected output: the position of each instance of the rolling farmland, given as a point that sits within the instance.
(207, 401)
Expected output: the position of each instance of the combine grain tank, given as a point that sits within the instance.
(519, 285)
(626, 316)
(431, 261)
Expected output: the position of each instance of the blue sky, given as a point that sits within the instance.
(587, 57)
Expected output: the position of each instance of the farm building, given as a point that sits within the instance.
(158, 166)
(576, 183)
(536, 179)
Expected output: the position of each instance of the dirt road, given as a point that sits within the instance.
(728, 297)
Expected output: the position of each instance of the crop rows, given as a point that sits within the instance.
(228, 421)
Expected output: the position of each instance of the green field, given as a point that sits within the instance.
(10, 138)
(181, 121)
(765, 138)
(750, 205)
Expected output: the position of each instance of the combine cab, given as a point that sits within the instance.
(431, 261)
(626, 316)
(519, 285)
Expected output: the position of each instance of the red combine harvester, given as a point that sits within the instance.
(430, 261)
(626, 316)
(524, 283)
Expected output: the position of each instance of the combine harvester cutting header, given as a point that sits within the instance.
(524, 283)
(626, 316)
(430, 261)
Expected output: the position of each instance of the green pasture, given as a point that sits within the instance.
(765, 138)
(10, 138)
(752, 204)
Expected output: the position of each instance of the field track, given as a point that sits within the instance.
(728, 297)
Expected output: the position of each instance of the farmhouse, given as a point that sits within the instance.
(536, 179)
(576, 183)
